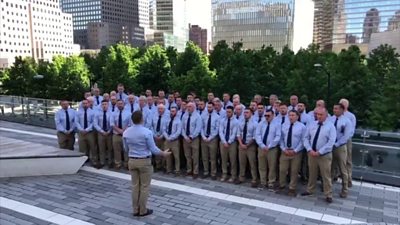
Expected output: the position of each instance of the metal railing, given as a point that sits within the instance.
(373, 151)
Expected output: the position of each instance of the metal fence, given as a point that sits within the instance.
(376, 155)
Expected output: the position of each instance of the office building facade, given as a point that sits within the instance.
(341, 23)
(105, 20)
(199, 37)
(258, 23)
(37, 29)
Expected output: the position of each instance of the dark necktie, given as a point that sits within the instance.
(158, 124)
(188, 126)
(244, 132)
(337, 118)
(169, 106)
(201, 111)
(299, 117)
(97, 100)
(131, 108)
(314, 143)
(150, 107)
(266, 135)
(120, 96)
(105, 121)
(170, 126)
(283, 120)
(259, 118)
(120, 119)
(228, 129)
(208, 131)
(113, 108)
(67, 124)
(183, 113)
(85, 123)
(237, 117)
(218, 113)
(289, 137)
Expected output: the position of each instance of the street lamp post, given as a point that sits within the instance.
(319, 65)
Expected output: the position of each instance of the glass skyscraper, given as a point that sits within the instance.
(254, 22)
(341, 23)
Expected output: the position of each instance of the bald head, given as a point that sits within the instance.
(190, 107)
(345, 103)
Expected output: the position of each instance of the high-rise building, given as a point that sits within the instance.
(341, 23)
(168, 21)
(37, 29)
(257, 22)
(199, 37)
(104, 20)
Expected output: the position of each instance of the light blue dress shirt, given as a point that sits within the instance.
(95, 100)
(240, 118)
(122, 96)
(154, 121)
(61, 120)
(147, 116)
(257, 117)
(128, 107)
(195, 125)
(214, 126)
(221, 113)
(98, 123)
(139, 142)
(343, 129)
(233, 129)
(353, 121)
(298, 132)
(305, 118)
(326, 138)
(274, 134)
(79, 120)
(126, 119)
(224, 105)
(175, 131)
(251, 130)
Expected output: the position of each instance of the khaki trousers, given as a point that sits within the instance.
(66, 141)
(192, 155)
(248, 154)
(87, 145)
(292, 162)
(105, 148)
(118, 150)
(174, 157)
(267, 161)
(209, 151)
(339, 158)
(349, 160)
(159, 160)
(324, 164)
(230, 154)
(141, 171)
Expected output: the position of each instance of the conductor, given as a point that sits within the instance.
(139, 143)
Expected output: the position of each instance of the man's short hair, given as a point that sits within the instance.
(294, 111)
(340, 105)
(104, 101)
(137, 117)
(229, 107)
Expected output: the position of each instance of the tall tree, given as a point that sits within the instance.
(19, 79)
(154, 69)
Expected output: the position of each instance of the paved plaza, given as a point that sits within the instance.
(104, 197)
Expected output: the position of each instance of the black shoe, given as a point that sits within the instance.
(149, 212)
(213, 177)
(136, 214)
(329, 200)
(306, 193)
(205, 176)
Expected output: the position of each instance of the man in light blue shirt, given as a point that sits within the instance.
(102, 124)
(97, 97)
(268, 135)
(303, 116)
(226, 97)
(147, 114)
(319, 140)
(343, 128)
(121, 94)
(84, 120)
(139, 146)
(305, 119)
(170, 102)
(294, 100)
(238, 113)
(283, 116)
(150, 104)
(209, 142)
(65, 125)
(258, 116)
(191, 128)
(120, 122)
(218, 108)
(247, 147)
(291, 144)
(349, 145)
(228, 127)
(131, 104)
(158, 122)
(171, 131)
